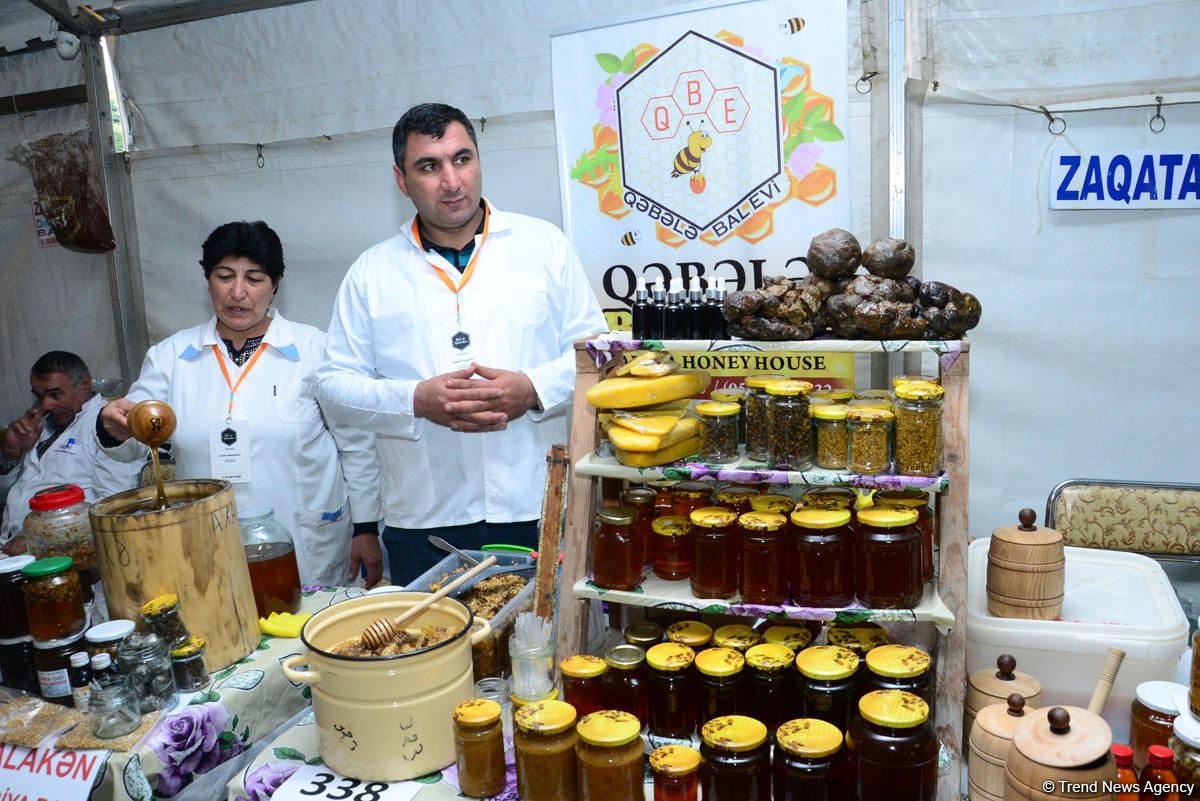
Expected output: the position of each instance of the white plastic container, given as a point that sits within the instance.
(1112, 598)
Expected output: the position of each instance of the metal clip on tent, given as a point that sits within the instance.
(260, 161)
(1162, 122)
(865, 80)
(1062, 124)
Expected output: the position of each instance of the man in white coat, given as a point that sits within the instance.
(52, 444)
(452, 341)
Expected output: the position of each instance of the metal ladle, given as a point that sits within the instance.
(152, 422)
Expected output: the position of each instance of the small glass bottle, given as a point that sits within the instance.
(271, 558)
(822, 558)
(187, 663)
(869, 432)
(80, 676)
(899, 667)
(616, 563)
(736, 764)
(827, 684)
(1152, 717)
(496, 689)
(737, 636)
(53, 599)
(479, 748)
(644, 633)
(920, 502)
(672, 690)
(641, 499)
(789, 430)
(716, 543)
(609, 757)
(688, 496)
(1126, 775)
(1157, 779)
(756, 416)
(773, 504)
(104, 670)
(718, 431)
(718, 683)
(162, 617)
(624, 683)
(12, 601)
(672, 547)
(692, 633)
(767, 685)
(888, 558)
(894, 746)
(734, 395)
(544, 744)
(764, 568)
(583, 683)
(810, 763)
(832, 437)
(145, 660)
(114, 708)
(675, 769)
(918, 410)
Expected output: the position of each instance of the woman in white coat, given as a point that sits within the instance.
(242, 388)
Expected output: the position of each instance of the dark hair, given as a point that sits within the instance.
(248, 240)
(429, 119)
(60, 361)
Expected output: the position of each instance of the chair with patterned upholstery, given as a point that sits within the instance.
(1161, 520)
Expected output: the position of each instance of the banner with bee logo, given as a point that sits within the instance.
(700, 143)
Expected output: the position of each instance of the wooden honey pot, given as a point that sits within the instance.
(988, 746)
(986, 687)
(1025, 571)
(1060, 752)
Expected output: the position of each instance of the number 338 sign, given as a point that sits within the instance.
(319, 783)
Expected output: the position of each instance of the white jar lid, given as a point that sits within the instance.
(110, 631)
(14, 563)
(1159, 696)
(1187, 728)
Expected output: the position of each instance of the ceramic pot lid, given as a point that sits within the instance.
(1049, 737)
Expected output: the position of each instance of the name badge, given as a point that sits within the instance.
(229, 451)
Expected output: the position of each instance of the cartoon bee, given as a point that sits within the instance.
(631, 238)
(688, 159)
(793, 25)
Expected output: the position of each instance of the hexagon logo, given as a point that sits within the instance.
(700, 136)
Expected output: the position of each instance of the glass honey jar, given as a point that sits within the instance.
(734, 395)
(899, 667)
(616, 562)
(920, 502)
(12, 602)
(644, 633)
(830, 435)
(675, 769)
(912, 378)
(641, 500)
(479, 748)
(756, 416)
(672, 690)
(1152, 717)
(692, 633)
(821, 562)
(894, 747)
(869, 431)
(625, 683)
(736, 764)
(544, 745)
(918, 410)
(688, 496)
(764, 554)
(672, 547)
(789, 428)
(767, 684)
(716, 542)
(664, 501)
(53, 599)
(827, 684)
(718, 431)
(888, 558)
(810, 763)
(583, 683)
(609, 757)
(737, 636)
(718, 683)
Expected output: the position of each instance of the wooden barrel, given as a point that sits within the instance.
(1065, 749)
(193, 549)
(1026, 571)
(987, 686)
(988, 746)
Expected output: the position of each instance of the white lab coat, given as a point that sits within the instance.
(74, 458)
(316, 481)
(526, 303)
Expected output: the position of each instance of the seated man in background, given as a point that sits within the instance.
(52, 444)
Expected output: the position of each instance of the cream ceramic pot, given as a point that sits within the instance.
(386, 718)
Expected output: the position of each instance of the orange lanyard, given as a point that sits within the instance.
(467, 273)
(233, 388)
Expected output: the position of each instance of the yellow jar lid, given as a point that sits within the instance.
(720, 661)
(670, 656)
(728, 395)
(191, 646)
(887, 516)
(836, 395)
(671, 525)
(818, 402)
(736, 635)
(776, 504)
(794, 637)
(829, 411)
(809, 737)
(713, 517)
(898, 661)
(869, 414)
(873, 394)
(674, 760)
(856, 636)
(818, 518)
(919, 391)
(761, 380)
(770, 656)
(911, 378)
(692, 489)
(871, 403)
(827, 662)
(734, 733)
(717, 408)
(894, 709)
(762, 521)
(901, 498)
(476, 712)
(788, 388)
(731, 494)
(609, 727)
(691, 633)
(545, 717)
(583, 666)
(828, 497)
(160, 604)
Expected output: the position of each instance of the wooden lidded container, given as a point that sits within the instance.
(1025, 572)
(988, 746)
(986, 687)
(1065, 748)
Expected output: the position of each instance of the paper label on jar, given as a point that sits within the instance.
(319, 783)
(54, 683)
(80, 696)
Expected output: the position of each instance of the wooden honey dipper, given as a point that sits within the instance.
(152, 422)
(382, 630)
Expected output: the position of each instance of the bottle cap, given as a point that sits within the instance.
(101, 660)
(79, 659)
(1122, 755)
(1160, 756)
(58, 497)
(48, 566)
